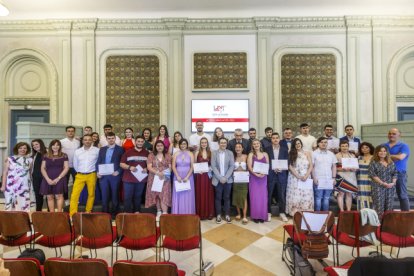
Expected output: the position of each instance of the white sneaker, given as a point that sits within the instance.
(159, 213)
(269, 217)
(283, 217)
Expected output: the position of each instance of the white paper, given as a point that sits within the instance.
(340, 271)
(106, 169)
(139, 175)
(314, 220)
(182, 186)
(241, 177)
(201, 167)
(325, 183)
(305, 185)
(262, 168)
(157, 184)
(353, 146)
(281, 164)
(350, 163)
(333, 144)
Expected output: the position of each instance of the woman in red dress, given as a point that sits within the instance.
(204, 191)
(128, 142)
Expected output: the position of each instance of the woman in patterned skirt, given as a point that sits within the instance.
(364, 185)
(383, 179)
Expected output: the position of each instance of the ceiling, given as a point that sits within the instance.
(45, 9)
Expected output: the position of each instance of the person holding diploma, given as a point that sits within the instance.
(240, 188)
(323, 174)
(183, 201)
(277, 178)
(258, 183)
(55, 166)
(349, 174)
(204, 191)
(222, 165)
(299, 197)
(364, 181)
(159, 168)
(384, 175)
(131, 160)
(109, 173)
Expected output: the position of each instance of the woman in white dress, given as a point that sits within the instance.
(299, 198)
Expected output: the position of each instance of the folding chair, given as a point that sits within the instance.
(136, 232)
(70, 267)
(130, 268)
(23, 266)
(15, 229)
(55, 230)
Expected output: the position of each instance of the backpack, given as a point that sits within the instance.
(315, 245)
(302, 266)
(34, 253)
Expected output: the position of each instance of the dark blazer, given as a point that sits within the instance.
(232, 144)
(283, 154)
(284, 143)
(116, 157)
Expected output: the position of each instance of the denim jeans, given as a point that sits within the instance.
(132, 196)
(222, 191)
(322, 199)
(402, 191)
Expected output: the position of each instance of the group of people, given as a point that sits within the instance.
(206, 174)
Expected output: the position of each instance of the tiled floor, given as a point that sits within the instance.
(235, 249)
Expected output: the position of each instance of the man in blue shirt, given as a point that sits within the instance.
(399, 152)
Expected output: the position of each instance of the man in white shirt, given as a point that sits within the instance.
(196, 137)
(323, 172)
(308, 141)
(84, 162)
(102, 139)
(69, 145)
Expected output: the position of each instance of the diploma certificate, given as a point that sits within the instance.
(262, 168)
(201, 167)
(182, 186)
(106, 169)
(350, 163)
(241, 177)
(281, 164)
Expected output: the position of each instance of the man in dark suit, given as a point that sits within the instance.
(277, 178)
(287, 138)
(238, 139)
(109, 183)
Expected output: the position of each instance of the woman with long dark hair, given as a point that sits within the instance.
(128, 142)
(147, 134)
(38, 151)
(163, 136)
(174, 147)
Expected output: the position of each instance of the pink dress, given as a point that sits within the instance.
(165, 195)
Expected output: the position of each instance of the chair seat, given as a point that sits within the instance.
(57, 241)
(394, 240)
(138, 244)
(181, 245)
(22, 240)
(289, 228)
(345, 239)
(96, 243)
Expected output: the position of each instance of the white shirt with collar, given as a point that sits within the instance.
(84, 161)
(222, 156)
(322, 163)
(69, 146)
(195, 139)
(103, 142)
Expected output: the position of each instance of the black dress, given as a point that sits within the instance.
(37, 180)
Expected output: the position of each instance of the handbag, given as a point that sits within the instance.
(315, 245)
(345, 186)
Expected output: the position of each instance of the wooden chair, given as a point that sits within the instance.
(136, 232)
(71, 267)
(23, 266)
(14, 229)
(94, 231)
(181, 233)
(397, 229)
(130, 268)
(55, 230)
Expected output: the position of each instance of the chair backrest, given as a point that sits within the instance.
(399, 223)
(23, 266)
(92, 225)
(180, 227)
(136, 226)
(14, 223)
(297, 221)
(68, 267)
(349, 222)
(130, 268)
(51, 224)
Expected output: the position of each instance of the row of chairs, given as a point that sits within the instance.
(70, 267)
(93, 231)
(396, 230)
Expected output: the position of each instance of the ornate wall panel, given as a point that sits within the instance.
(133, 92)
(309, 91)
(220, 71)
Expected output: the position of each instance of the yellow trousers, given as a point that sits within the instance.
(80, 181)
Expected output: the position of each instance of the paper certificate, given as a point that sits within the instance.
(106, 169)
(325, 183)
(281, 164)
(201, 167)
(157, 184)
(241, 177)
(353, 146)
(305, 185)
(139, 174)
(262, 168)
(315, 221)
(333, 144)
(182, 186)
(350, 163)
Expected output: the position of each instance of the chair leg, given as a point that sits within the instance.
(112, 254)
(116, 252)
(56, 254)
(398, 252)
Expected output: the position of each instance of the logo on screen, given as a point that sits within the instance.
(219, 108)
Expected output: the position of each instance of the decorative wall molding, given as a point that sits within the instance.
(27, 101)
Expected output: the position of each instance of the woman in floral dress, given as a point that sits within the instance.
(16, 179)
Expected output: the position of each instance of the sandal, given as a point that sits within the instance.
(238, 217)
(244, 221)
